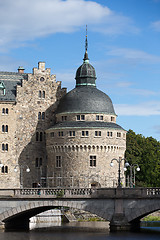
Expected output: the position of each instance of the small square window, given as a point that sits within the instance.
(85, 133)
(58, 161)
(78, 117)
(97, 117)
(82, 117)
(72, 133)
(92, 161)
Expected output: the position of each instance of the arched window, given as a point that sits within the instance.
(39, 115)
(3, 110)
(6, 148)
(43, 96)
(40, 94)
(4, 169)
(43, 115)
(3, 147)
(41, 136)
(6, 110)
(4, 128)
(37, 136)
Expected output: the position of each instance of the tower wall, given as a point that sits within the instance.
(75, 154)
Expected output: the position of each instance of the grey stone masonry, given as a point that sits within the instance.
(27, 118)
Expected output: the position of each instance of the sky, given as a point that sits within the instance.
(123, 47)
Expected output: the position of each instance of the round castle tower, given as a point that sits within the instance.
(85, 137)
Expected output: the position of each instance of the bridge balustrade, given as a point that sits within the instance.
(81, 192)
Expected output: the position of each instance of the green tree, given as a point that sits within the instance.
(146, 153)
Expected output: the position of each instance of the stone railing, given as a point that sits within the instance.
(153, 191)
(81, 193)
(55, 192)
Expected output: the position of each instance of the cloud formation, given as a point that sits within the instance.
(134, 55)
(141, 109)
(25, 20)
(156, 26)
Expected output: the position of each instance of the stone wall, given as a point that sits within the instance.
(8, 154)
(28, 118)
(75, 153)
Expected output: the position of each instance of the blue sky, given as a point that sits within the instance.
(124, 48)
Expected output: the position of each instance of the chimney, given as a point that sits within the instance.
(21, 69)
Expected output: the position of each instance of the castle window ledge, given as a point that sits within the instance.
(84, 136)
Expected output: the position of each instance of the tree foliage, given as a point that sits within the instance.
(146, 153)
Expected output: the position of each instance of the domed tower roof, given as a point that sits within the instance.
(85, 97)
(86, 74)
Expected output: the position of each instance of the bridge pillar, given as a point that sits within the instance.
(119, 223)
(17, 224)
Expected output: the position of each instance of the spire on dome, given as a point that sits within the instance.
(86, 59)
(85, 75)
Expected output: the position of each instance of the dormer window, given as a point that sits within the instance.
(112, 119)
(64, 118)
(99, 117)
(80, 117)
(2, 89)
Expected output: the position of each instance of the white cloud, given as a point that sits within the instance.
(123, 84)
(156, 1)
(156, 26)
(141, 109)
(136, 56)
(25, 20)
(115, 24)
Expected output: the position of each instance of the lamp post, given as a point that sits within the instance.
(119, 160)
(21, 167)
(132, 167)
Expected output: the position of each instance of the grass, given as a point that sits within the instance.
(151, 218)
(92, 219)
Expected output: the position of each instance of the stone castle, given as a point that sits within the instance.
(55, 138)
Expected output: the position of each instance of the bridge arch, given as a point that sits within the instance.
(18, 217)
(139, 213)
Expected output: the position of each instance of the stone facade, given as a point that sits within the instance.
(28, 116)
(57, 139)
(85, 138)
(74, 154)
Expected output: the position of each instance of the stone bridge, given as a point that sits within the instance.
(122, 207)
